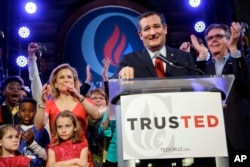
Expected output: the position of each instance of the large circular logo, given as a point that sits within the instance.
(103, 32)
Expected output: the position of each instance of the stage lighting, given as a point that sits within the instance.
(24, 32)
(21, 61)
(30, 7)
(194, 3)
(199, 26)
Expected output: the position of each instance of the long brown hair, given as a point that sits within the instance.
(77, 133)
(3, 131)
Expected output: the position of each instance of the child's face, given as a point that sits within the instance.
(12, 92)
(10, 141)
(65, 128)
(27, 113)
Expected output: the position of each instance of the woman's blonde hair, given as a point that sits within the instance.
(53, 77)
(77, 137)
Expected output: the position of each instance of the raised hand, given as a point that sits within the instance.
(199, 47)
(106, 62)
(88, 74)
(235, 36)
(185, 46)
(46, 92)
(32, 48)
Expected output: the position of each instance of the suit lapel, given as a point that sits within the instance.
(170, 56)
(228, 67)
(147, 62)
(210, 68)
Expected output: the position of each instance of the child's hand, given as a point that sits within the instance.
(28, 136)
(82, 163)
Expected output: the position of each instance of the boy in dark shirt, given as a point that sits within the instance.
(12, 93)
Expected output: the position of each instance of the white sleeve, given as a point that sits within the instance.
(36, 84)
(40, 151)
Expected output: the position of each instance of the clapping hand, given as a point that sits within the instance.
(199, 47)
(28, 136)
(46, 91)
(106, 62)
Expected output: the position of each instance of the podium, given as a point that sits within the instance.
(163, 118)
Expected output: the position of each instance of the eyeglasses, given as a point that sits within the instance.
(216, 36)
(97, 98)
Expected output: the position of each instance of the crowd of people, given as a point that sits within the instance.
(64, 123)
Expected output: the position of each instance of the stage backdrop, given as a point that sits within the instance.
(105, 31)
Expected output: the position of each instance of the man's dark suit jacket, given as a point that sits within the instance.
(237, 112)
(144, 67)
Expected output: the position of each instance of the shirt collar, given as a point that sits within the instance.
(224, 59)
(162, 51)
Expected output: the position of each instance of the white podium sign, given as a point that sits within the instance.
(172, 125)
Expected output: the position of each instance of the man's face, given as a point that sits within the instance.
(153, 33)
(12, 92)
(217, 42)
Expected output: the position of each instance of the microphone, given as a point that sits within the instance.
(177, 64)
(158, 55)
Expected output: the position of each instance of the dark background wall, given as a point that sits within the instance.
(49, 25)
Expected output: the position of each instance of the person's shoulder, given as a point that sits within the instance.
(137, 52)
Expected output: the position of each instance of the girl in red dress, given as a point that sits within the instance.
(64, 94)
(67, 148)
(9, 143)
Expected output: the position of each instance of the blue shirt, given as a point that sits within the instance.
(110, 132)
(42, 138)
(219, 64)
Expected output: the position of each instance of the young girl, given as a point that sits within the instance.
(67, 148)
(9, 143)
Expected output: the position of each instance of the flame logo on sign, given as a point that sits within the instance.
(115, 47)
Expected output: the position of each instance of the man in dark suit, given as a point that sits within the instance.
(152, 30)
(227, 59)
